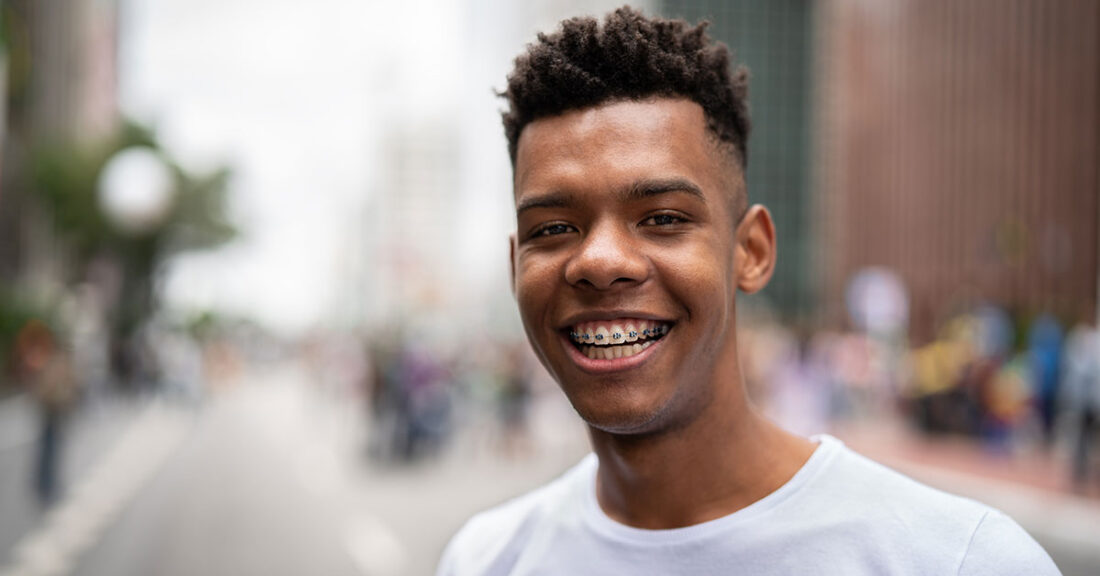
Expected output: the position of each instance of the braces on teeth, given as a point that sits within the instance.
(609, 340)
(602, 336)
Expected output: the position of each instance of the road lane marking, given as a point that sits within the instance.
(81, 518)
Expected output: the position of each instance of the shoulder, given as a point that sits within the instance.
(914, 520)
(496, 536)
(864, 483)
(1000, 546)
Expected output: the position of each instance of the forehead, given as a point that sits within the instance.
(616, 142)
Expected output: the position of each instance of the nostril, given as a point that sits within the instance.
(607, 257)
(605, 273)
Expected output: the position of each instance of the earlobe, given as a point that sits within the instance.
(512, 262)
(756, 250)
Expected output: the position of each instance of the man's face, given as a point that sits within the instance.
(624, 260)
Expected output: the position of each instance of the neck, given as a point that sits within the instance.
(724, 460)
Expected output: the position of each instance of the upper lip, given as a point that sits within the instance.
(605, 315)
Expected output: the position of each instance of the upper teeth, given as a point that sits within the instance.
(616, 332)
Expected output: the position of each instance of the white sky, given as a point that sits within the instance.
(286, 92)
(295, 96)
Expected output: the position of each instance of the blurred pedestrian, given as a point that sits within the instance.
(388, 405)
(513, 401)
(48, 372)
(1080, 398)
(1045, 348)
(1007, 400)
(426, 383)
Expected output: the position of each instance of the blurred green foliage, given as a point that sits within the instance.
(62, 177)
(65, 178)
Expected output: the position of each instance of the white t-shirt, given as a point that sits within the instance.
(840, 514)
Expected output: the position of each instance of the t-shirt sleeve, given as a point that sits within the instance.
(1001, 547)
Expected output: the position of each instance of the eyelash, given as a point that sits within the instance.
(543, 231)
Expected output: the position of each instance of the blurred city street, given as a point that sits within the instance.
(270, 476)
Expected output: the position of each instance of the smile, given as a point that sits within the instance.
(616, 338)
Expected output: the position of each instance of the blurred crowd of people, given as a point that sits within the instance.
(1009, 382)
(420, 391)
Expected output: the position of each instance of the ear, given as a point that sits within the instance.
(756, 250)
(512, 262)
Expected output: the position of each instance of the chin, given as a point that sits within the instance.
(619, 417)
(641, 414)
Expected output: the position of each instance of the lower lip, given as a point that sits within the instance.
(604, 365)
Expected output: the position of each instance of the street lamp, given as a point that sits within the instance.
(136, 190)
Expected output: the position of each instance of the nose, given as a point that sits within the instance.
(608, 257)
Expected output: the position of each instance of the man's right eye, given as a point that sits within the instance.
(552, 230)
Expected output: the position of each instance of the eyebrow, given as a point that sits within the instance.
(637, 191)
(650, 188)
(551, 200)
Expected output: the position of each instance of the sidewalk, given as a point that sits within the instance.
(1032, 487)
(91, 429)
(18, 422)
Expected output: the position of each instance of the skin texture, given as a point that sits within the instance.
(632, 210)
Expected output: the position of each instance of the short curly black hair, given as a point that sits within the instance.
(631, 57)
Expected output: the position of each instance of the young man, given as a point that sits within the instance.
(633, 236)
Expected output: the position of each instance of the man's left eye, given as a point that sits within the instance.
(663, 220)
(553, 230)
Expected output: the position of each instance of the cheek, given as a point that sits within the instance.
(702, 277)
(534, 283)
